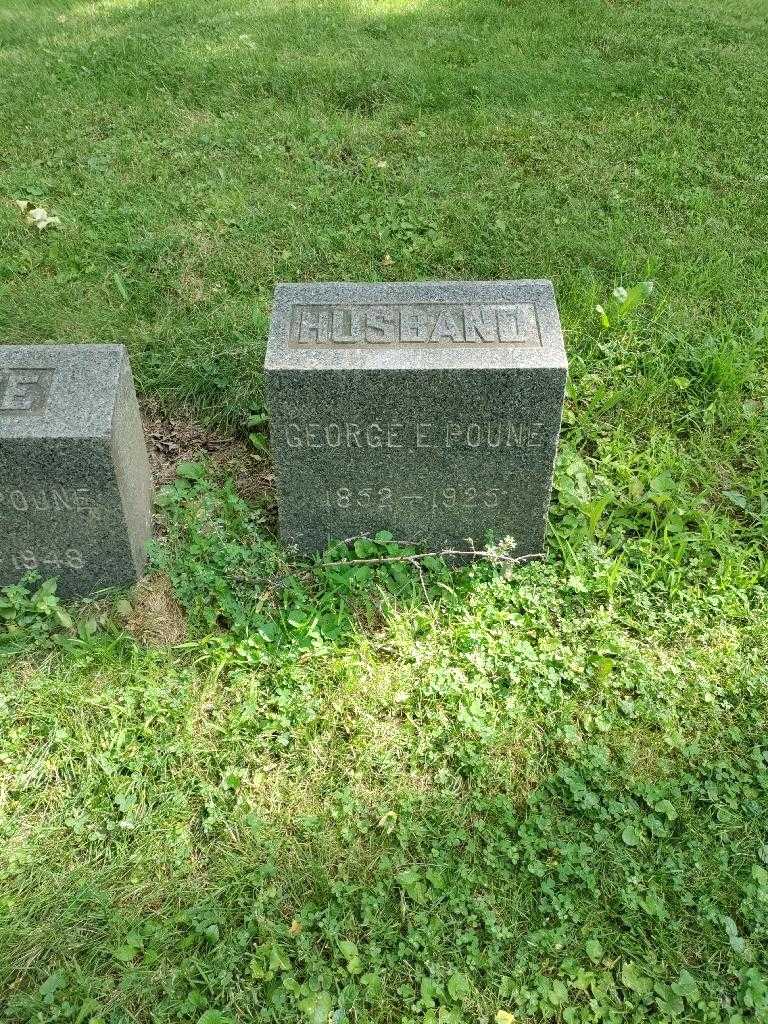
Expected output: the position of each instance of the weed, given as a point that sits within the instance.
(29, 614)
(227, 573)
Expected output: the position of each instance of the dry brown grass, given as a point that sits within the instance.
(156, 619)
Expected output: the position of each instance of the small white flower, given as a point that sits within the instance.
(39, 217)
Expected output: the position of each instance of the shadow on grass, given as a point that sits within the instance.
(395, 830)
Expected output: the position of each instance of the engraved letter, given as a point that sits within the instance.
(61, 501)
(535, 440)
(347, 327)
(515, 435)
(480, 323)
(312, 432)
(333, 435)
(380, 325)
(29, 394)
(411, 325)
(40, 501)
(83, 499)
(353, 433)
(309, 324)
(526, 327)
(393, 435)
(373, 439)
(422, 435)
(25, 390)
(494, 435)
(508, 326)
(19, 501)
(292, 435)
(474, 435)
(446, 328)
(452, 432)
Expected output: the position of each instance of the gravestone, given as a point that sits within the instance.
(431, 411)
(75, 485)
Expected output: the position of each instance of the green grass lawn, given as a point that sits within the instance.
(385, 795)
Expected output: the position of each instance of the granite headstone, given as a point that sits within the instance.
(75, 484)
(431, 411)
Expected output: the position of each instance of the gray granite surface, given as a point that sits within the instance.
(75, 483)
(429, 410)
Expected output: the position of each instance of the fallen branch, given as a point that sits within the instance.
(491, 556)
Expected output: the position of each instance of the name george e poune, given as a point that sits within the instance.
(400, 436)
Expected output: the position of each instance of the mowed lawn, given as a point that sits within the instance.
(265, 790)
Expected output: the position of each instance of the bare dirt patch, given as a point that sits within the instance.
(172, 440)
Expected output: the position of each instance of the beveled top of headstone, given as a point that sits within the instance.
(58, 390)
(411, 326)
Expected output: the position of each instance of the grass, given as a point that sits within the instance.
(379, 795)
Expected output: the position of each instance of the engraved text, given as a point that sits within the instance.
(24, 390)
(315, 325)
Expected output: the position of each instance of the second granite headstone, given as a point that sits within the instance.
(431, 411)
(75, 484)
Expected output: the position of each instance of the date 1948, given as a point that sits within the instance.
(31, 561)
